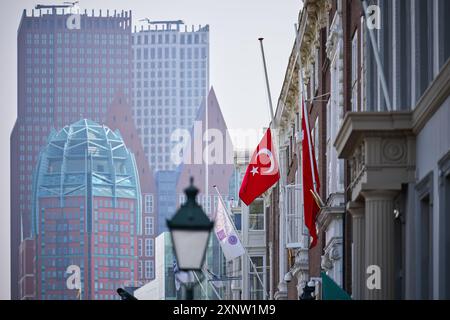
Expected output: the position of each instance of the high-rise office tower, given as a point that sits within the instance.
(170, 79)
(120, 118)
(69, 67)
(86, 214)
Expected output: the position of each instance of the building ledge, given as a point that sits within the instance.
(357, 125)
(435, 95)
(380, 149)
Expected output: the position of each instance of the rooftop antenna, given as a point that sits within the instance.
(167, 23)
(71, 3)
(55, 6)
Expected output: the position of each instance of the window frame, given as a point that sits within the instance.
(250, 228)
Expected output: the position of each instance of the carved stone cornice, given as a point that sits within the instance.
(327, 214)
(316, 18)
(335, 35)
(301, 263)
(333, 254)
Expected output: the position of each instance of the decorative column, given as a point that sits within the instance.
(356, 209)
(379, 242)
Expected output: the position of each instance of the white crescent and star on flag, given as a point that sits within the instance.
(269, 154)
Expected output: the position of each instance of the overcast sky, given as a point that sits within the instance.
(236, 66)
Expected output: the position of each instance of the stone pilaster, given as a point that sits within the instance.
(282, 293)
(356, 209)
(379, 241)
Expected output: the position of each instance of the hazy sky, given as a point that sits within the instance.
(235, 65)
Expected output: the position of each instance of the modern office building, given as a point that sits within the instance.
(166, 197)
(64, 74)
(120, 118)
(170, 79)
(86, 213)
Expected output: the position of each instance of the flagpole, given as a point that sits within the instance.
(245, 250)
(267, 82)
(212, 286)
(200, 283)
(282, 267)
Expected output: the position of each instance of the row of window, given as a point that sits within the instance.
(114, 251)
(146, 269)
(75, 60)
(101, 227)
(167, 64)
(112, 239)
(145, 113)
(140, 85)
(99, 262)
(192, 103)
(170, 53)
(149, 248)
(62, 250)
(162, 93)
(113, 274)
(173, 38)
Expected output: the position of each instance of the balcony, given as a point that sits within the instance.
(380, 148)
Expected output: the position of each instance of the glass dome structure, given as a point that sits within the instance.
(89, 160)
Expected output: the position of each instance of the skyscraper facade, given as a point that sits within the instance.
(86, 213)
(170, 79)
(65, 72)
(120, 118)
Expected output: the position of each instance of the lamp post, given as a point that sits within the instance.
(190, 228)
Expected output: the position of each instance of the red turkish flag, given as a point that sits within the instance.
(309, 165)
(262, 172)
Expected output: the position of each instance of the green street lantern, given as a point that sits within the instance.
(190, 228)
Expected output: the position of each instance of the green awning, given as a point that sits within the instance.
(331, 290)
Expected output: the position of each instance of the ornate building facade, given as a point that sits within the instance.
(382, 149)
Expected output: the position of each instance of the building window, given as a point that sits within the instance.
(424, 190)
(148, 203)
(256, 215)
(444, 35)
(256, 288)
(424, 45)
(140, 247)
(354, 80)
(237, 220)
(149, 269)
(182, 199)
(316, 71)
(149, 226)
(140, 269)
(444, 225)
(149, 249)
